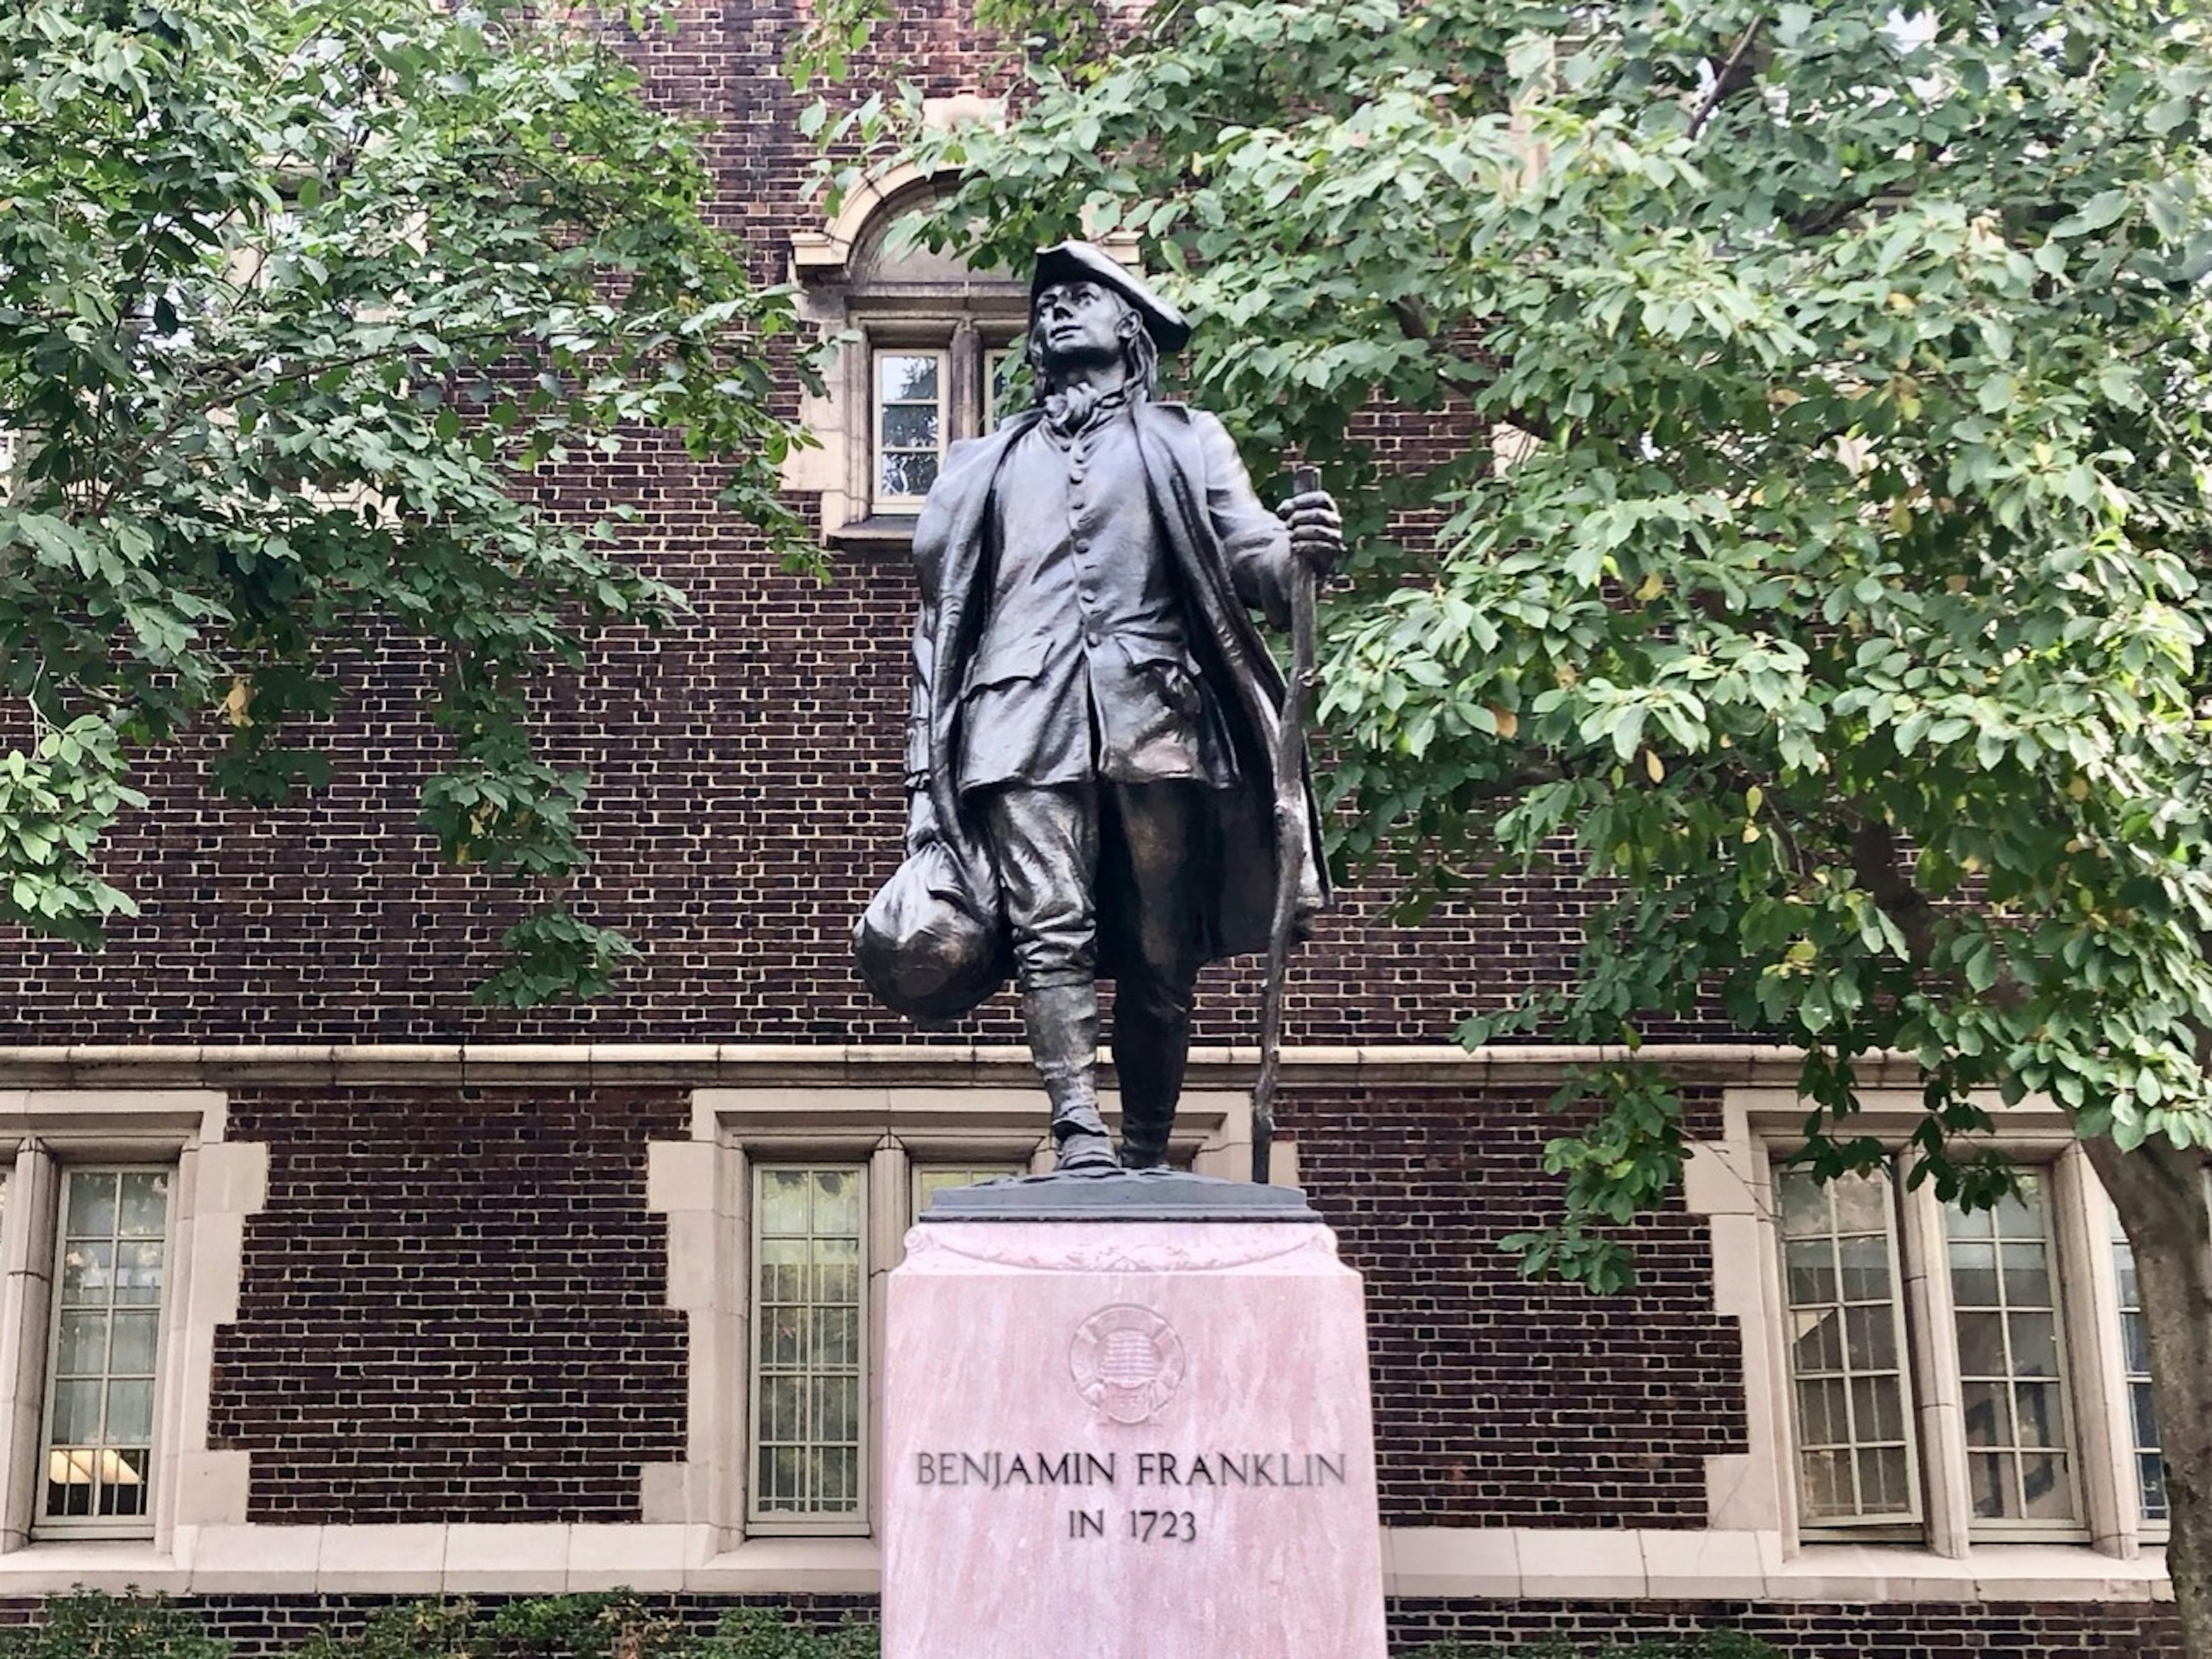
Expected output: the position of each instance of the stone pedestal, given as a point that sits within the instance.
(1123, 1438)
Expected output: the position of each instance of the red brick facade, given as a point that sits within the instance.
(453, 1307)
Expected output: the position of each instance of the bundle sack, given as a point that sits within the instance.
(925, 946)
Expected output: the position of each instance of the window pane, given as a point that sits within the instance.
(77, 1412)
(1981, 1343)
(1005, 375)
(902, 377)
(910, 426)
(1854, 1457)
(905, 475)
(144, 1205)
(2009, 1359)
(92, 1204)
(808, 1313)
(113, 1257)
(785, 1199)
(130, 1411)
(2150, 1468)
(88, 1271)
(80, 1347)
(1872, 1334)
(1820, 1344)
(135, 1338)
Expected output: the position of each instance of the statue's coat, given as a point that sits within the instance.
(1228, 551)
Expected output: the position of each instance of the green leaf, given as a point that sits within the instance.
(2101, 210)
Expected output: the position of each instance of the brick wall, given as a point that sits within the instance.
(453, 1307)
(1902, 1630)
(1499, 1401)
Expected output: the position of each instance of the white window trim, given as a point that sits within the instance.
(45, 1526)
(216, 1185)
(703, 1186)
(797, 1524)
(1764, 1125)
(949, 410)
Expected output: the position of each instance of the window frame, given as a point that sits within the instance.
(2153, 1529)
(967, 335)
(52, 1226)
(885, 503)
(2087, 1330)
(1882, 1526)
(215, 1185)
(859, 288)
(800, 1522)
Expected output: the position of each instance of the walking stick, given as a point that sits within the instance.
(1292, 842)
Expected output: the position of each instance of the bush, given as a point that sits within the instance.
(766, 1633)
(86, 1625)
(1708, 1645)
(616, 1625)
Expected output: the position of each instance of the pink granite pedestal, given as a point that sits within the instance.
(1128, 1440)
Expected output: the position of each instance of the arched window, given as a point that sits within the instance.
(929, 348)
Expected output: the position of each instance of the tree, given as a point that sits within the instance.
(1836, 608)
(297, 302)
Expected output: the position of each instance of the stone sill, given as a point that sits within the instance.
(1420, 1562)
(1570, 1564)
(881, 533)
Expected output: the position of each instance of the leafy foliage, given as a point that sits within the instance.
(88, 1625)
(298, 305)
(1712, 1644)
(1819, 454)
(600, 1625)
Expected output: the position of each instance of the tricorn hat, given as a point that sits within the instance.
(1085, 262)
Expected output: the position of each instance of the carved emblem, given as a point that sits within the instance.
(1128, 1361)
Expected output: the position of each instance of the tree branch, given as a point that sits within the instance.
(1878, 862)
(1725, 82)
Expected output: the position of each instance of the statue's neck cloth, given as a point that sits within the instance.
(1067, 411)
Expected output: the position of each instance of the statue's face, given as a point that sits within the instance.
(1080, 322)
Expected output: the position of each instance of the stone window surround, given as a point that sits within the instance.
(1742, 1555)
(967, 315)
(1737, 1192)
(216, 1185)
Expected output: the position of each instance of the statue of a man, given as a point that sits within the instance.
(1093, 733)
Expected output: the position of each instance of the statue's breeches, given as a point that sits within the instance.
(1075, 859)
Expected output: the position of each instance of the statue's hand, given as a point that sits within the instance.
(921, 829)
(1317, 529)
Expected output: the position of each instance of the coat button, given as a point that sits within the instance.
(1093, 638)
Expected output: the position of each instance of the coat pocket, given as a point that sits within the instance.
(1167, 664)
(1006, 665)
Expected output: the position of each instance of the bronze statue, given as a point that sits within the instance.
(1091, 756)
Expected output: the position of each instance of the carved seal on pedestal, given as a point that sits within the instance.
(1127, 1362)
